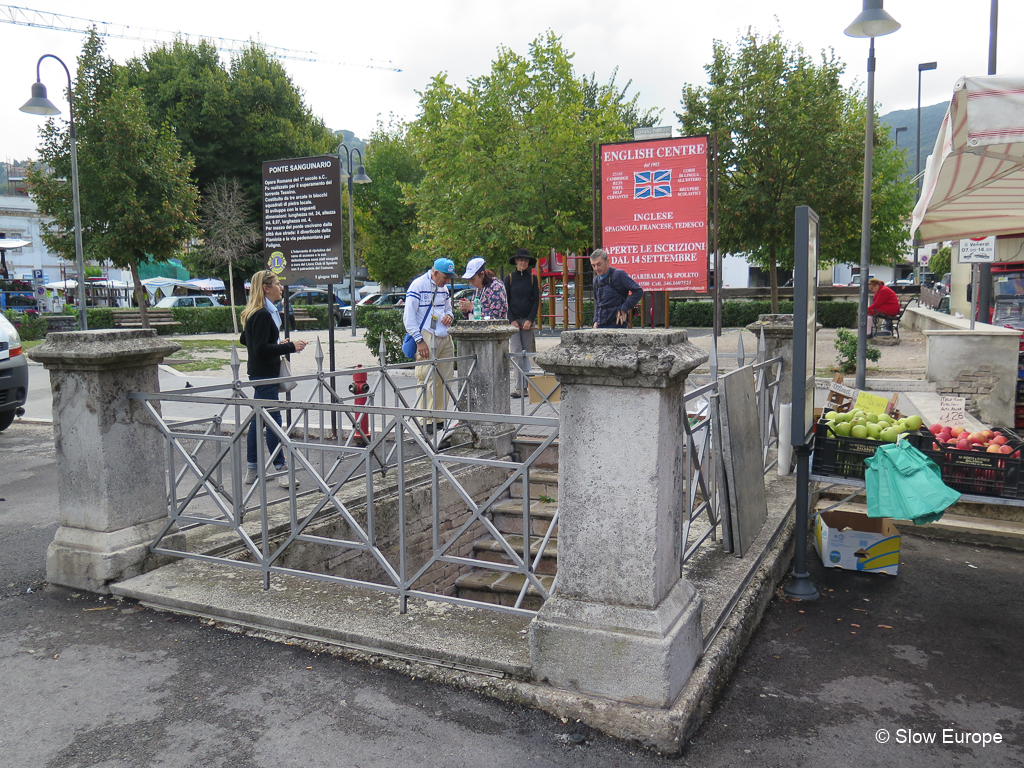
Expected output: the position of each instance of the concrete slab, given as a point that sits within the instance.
(927, 406)
(447, 635)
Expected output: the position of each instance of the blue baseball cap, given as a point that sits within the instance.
(445, 266)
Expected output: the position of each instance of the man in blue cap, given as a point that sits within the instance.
(428, 315)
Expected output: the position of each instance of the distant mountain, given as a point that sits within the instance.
(931, 121)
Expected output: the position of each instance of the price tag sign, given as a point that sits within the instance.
(871, 403)
(951, 411)
(843, 390)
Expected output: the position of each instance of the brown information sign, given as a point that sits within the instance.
(302, 219)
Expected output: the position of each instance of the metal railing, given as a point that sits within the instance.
(346, 477)
(705, 501)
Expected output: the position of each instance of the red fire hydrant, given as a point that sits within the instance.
(359, 386)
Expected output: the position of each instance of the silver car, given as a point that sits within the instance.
(13, 374)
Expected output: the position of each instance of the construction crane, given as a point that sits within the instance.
(27, 17)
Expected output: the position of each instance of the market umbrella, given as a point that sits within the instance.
(974, 180)
(7, 244)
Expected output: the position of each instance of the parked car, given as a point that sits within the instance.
(13, 374)
(170, 302)
(390, 300)
(303, 296)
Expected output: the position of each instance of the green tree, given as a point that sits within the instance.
(229, 120)
(386, 221)
(939, 263)
(228, 229)
(507, 160)
(137, 197)
(789, 134)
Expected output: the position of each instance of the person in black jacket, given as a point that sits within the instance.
(615, 292)
(523, 291)
(261, 336)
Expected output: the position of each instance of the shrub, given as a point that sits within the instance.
(846, 348)
(837, 314)
(383, 323)
(30, 324)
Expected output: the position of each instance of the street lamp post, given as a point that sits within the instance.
(901, 129)
(40, 105)
(872, 22)
(359, 177)
(925, 67)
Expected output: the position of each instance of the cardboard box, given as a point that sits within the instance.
(871, 543)
(547, 385)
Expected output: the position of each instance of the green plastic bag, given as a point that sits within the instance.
(904, 483)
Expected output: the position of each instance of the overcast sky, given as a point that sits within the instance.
(658, 44)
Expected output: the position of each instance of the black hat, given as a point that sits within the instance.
(522, 253)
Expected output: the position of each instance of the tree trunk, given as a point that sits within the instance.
(774, 277)
(140, 295)
(231, 293)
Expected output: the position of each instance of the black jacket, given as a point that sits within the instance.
(523, 291)
(260, 337)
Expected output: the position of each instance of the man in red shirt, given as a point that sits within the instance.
(886, 303)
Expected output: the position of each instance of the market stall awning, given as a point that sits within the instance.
(974, 180)
(206, 284)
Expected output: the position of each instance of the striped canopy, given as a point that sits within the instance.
(974, 180)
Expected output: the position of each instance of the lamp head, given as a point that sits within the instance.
(39, 104)
(361, 177)
(928, 65)
(873, 21)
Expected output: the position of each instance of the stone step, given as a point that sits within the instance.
(526, 446)
(507, 516)
(492, 551)
(500, 588)
(542, 483)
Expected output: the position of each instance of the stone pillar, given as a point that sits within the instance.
(623, 623)
(488, 387)
(111, 457)
(778, 342)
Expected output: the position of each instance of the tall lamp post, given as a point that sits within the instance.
(925, 67)
(40, 105)
(359, 177)
(872, 22)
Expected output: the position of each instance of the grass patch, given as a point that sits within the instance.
(192, 366)
(27, 345)
(200, 355)
(205, 345)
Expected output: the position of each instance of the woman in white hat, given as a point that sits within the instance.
(491, 292)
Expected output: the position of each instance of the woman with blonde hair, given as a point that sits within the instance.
(261, 333)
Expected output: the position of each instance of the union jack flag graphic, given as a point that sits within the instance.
(651, 184)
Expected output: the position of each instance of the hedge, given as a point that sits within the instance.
(686, 313)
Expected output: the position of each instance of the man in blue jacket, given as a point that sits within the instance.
(615, 292)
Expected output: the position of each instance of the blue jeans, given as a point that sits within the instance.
(264, 392)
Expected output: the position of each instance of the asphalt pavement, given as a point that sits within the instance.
(878, 672)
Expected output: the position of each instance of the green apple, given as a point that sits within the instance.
(859, 431)
(872, 418)
(874, 431)
(843, 428)
(914, 423)
(831, 415)
(890, 435)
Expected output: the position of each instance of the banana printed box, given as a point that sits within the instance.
(856, 542)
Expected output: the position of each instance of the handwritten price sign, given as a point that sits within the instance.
(951, 411)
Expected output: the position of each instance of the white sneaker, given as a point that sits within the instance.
(251, 473)
(284, 481)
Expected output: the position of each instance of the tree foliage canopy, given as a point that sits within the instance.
(137, 197)
(789, 134)
(507, 160)
(387, 222)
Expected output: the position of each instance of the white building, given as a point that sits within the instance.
(20, 219)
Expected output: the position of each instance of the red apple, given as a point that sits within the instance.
(1000, 439)
(1006, 449)
(957, 431)
(994, 449)
(988, 433)
(935, 429)
(976, 437)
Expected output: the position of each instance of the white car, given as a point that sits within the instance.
(187, 301)
(13, 374)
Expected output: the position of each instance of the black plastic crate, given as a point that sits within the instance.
(981, 473)
(844, 456)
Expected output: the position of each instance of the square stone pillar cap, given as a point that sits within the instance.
(639, 357)
(482, 330)
(102, 350)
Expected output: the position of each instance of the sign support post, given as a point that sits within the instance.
(805, 328)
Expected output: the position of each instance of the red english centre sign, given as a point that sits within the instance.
(654, 211)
